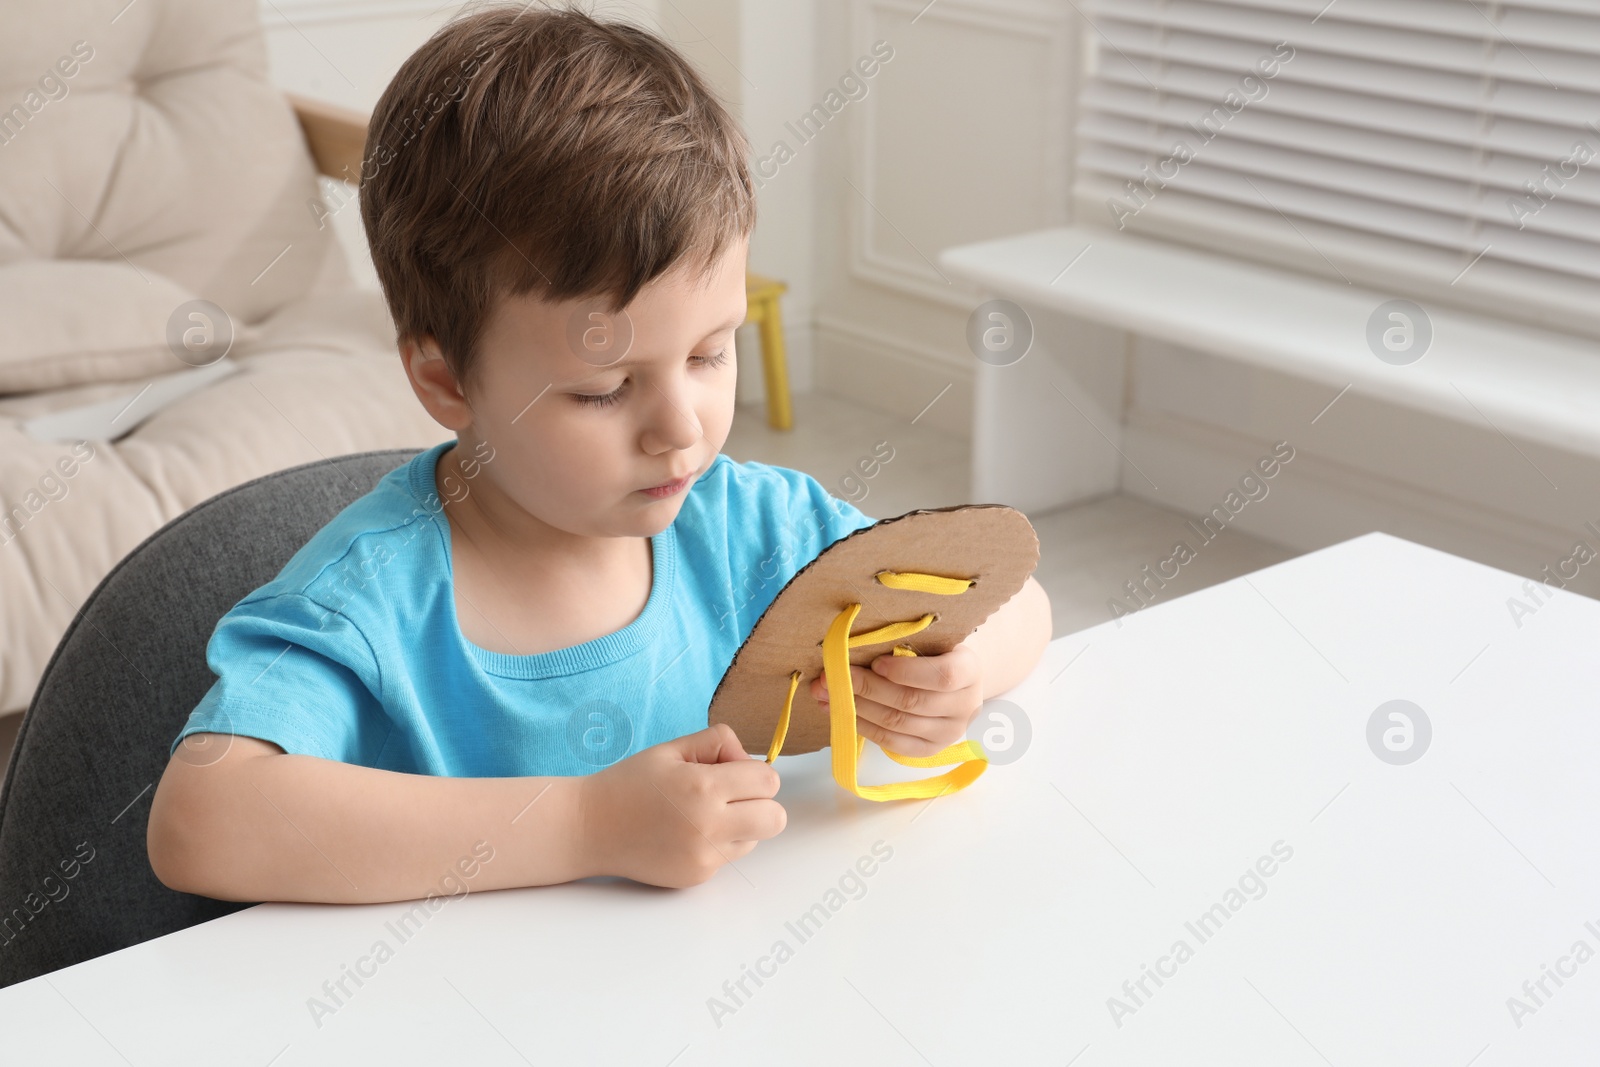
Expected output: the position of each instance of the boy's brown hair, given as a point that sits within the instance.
(527, 148)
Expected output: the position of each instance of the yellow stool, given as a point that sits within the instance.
(762, 293)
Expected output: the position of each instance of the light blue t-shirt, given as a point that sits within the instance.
(353, 652)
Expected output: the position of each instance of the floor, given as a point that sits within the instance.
(1086, 553)
(887, 466)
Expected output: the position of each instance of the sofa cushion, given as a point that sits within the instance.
(158, 139)
(69, 322)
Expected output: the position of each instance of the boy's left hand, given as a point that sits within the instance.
(915, 705)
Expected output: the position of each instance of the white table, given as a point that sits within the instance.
(1167, 756)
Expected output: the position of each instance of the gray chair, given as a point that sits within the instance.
(75, 879)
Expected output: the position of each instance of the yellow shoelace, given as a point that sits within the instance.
(847, 744)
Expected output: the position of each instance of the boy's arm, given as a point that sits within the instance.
(260, 824)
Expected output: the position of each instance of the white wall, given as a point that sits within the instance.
(962, 136)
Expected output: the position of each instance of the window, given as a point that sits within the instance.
(1439, 149)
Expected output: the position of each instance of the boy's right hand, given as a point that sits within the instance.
(673, 814)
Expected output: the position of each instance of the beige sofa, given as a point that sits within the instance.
(147, 161)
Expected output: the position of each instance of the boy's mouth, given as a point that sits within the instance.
(670, 487)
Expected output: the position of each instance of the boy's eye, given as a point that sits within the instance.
(601, 400)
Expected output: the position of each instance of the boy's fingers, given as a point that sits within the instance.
(938, 673)
(737, 850)
(746, 779)
(897, 721)
(714, 744)
(756, 820)
(928, 703)
(866, 684)
(904, 744)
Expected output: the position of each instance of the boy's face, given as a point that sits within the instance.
(580, 429)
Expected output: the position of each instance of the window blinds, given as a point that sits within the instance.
(1439, 148)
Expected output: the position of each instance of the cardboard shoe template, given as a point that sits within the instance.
(918, 584)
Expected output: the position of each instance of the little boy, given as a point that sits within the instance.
(499, 661)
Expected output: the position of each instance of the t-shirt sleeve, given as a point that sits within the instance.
(291, 671)
(825, 517)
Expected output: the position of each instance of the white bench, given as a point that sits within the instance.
(1065, 398)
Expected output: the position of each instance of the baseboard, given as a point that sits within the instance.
(889, 374)
(1316, 500)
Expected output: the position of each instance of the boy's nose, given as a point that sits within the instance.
(673, 423)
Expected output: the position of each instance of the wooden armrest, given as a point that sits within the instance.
(337, 136)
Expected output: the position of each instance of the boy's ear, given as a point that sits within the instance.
(433, 382)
